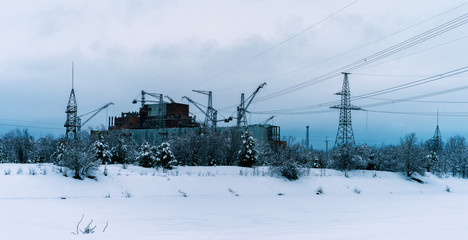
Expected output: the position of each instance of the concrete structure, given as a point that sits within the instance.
(263, 133)
(155, 123)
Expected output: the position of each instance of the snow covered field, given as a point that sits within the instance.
(229, 203)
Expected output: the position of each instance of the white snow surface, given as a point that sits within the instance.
(229, 203)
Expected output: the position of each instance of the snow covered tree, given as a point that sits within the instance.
(431, 162)
(410, 155)
(456, 156)
(123, 152)
(288, 161)
(76, 155)
(164, 156)
(100, 151)
(146, 155)
(43, 149)
(343, 157)
(19, 144)
(247, 155)
(3, 155)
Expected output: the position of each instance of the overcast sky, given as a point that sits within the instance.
(124, 46)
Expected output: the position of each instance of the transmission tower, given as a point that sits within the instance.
(345, 135)
(72, 123)
(436, 141)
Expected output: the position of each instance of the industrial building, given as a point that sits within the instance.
(157, 121)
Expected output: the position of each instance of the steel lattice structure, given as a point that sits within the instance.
(435, 142)
(345, 135)
(72, 123)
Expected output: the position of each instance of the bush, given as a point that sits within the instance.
(319, 191)
(288, 161)
(75, 155)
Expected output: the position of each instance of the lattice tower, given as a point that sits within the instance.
(345, 135)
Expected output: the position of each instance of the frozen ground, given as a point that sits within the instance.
(229, 203)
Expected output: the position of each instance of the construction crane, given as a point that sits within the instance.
(242, 108)
(266, 121)
(210, 113)
(144, 112)
(143, 99)
(210, 119)
(170, 99)
(94, 112)
(213, 119)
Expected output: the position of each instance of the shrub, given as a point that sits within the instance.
(319, 191)
(76, 156)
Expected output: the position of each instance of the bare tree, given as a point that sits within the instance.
(410, 155)
(456, 155)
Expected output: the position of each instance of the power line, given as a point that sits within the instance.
(447, 114)
(436, 31)
(28, 121)
(419, 101)
(420, 96)
(277, 45)
(414, 83)
(294, 111)
(337, 72)
(417, 52)
(367, 44)
(29, 126)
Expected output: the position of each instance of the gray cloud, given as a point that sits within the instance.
(122, 47)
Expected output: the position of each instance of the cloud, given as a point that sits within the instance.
(172, 47)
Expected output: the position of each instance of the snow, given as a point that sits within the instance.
(229, 203)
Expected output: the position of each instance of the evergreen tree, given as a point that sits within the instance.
(100, 151)
(164, 156)
(431, 162)
(146, 155)
(59, 153)
(247, 155)
(3, 156)
(120, 153)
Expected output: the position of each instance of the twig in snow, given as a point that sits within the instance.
(107, 224)
(78, 226)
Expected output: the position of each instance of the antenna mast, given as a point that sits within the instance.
(72, 122)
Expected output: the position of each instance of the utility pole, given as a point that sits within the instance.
(326, 157)
(307, 137)
(345, 135)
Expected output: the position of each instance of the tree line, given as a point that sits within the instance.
(234, 147)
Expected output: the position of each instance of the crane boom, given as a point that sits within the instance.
(251, 97)
(143, 99)
(170, 99)
(242, 108)
(196, 104)
(95, 112)
(269, 119)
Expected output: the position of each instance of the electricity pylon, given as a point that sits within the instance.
(345, 135)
